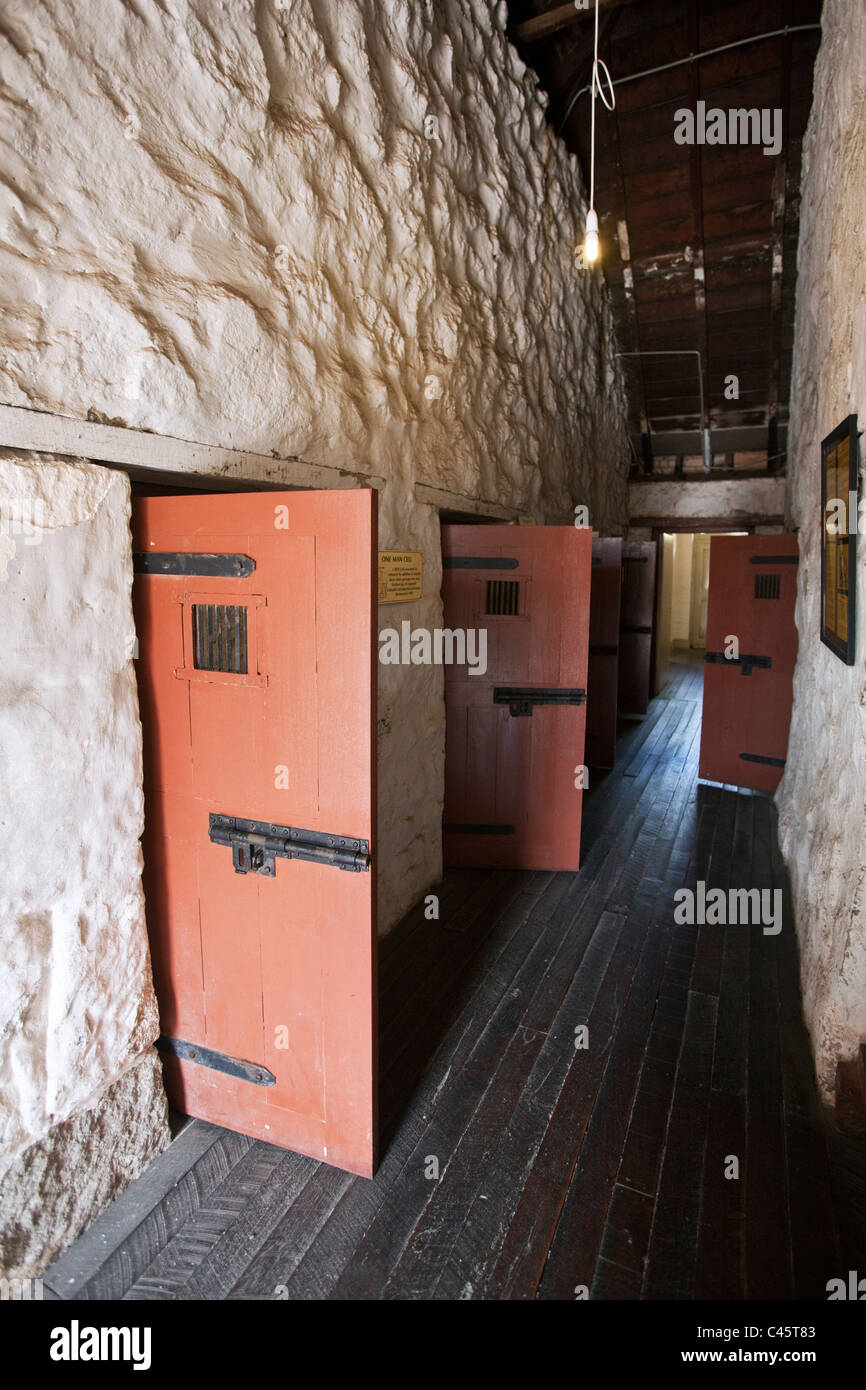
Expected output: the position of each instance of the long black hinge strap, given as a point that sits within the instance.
(479, 562)
(760, 758)
(522, 699)
(218, 1061)
(185, 563)
(746, 663)
(255, 845)
(774, 559)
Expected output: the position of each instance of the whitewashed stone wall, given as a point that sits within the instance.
(337, 230)
(822, 798)
(77, 1009)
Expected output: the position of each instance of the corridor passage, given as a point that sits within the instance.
(516, 1161)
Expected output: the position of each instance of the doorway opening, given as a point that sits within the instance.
(682, 591)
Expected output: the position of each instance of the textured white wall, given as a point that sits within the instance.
(77, 1008)
(822, 797)
(230, 223)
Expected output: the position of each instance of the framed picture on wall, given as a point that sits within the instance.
(840, 472)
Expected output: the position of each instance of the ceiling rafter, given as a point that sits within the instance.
(542, 26)
(698, 243)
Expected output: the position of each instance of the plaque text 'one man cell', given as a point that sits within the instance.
(400, 576)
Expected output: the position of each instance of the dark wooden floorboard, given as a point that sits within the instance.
(516, 1165)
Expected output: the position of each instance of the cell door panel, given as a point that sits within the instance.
(255, 616)
(750, 657)
(604, 622)
(637, 614)
(515, 734)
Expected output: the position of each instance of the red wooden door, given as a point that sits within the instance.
(748, 689)
(637, 616)
(515, 734)
(255, 615)
(604, 618)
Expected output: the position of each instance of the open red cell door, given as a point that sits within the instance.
(255, 616)
(748, 685)
(514, 744)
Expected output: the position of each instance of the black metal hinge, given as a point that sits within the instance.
(761, 758)
(774, 559)
(255, 845)
(186, 563)
(218, 1061)
(521, 699)
(746, 663)
(479, 562)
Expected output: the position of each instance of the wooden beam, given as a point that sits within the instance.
(541, 26)
(479, 506)
(735, 522)
(163, 454)
(718, 475)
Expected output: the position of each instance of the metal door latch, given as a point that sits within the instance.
(255, 845)
(522, 699)
(746, 663)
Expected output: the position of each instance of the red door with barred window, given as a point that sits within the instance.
(750, 657)
(515, 734)
(256, 621)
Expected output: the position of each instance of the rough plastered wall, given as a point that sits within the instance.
(81, 1100)
(822, 797)
(333, 229)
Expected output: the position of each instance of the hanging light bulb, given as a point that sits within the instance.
(600, 76)
(590, 245)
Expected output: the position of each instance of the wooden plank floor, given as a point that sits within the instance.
(515, 1163)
